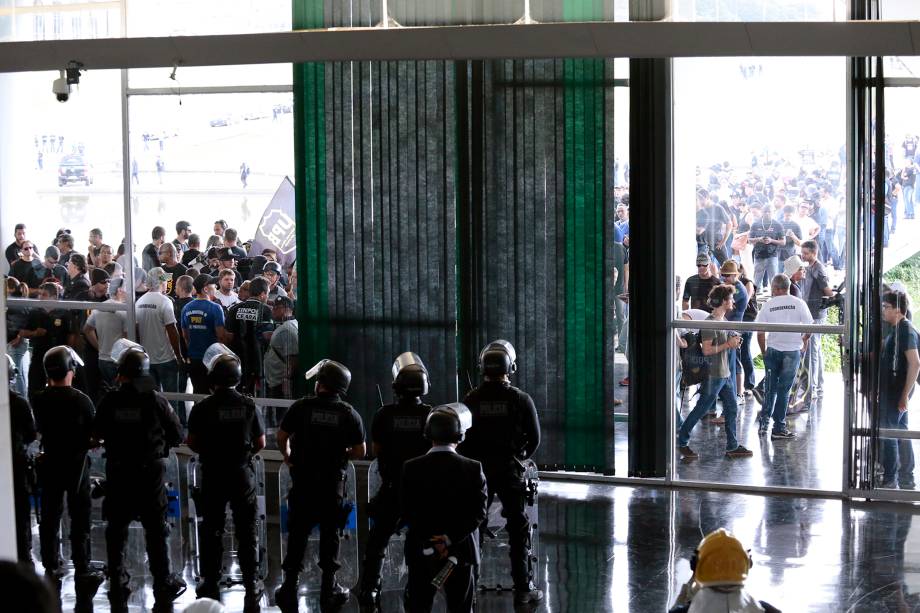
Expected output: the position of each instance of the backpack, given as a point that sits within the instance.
(694, 366)
(752, 308)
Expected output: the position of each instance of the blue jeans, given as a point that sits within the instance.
(909, 193)
(166, 375)
(18, 353)
(897, 454)
(782, 367)
(815, 361)
(723, 389)
(764, 271)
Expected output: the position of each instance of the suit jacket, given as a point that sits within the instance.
(443, 493)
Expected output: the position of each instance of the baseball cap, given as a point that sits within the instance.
(156, 275)
(702, 260)
(202, 280)
(792, 265)
(98, 276)
(284, 302)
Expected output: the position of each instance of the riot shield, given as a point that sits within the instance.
(395, 572)
(310, 579)
(495, 566)
(230, 569)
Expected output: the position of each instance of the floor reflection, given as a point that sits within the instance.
(606, 548)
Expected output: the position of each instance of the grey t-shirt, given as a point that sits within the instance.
(110, 326)
(154, 312)
(282, 345)
(718, 363)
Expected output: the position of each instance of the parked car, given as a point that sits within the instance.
(74, 169)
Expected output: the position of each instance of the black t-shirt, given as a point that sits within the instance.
(190, 256)
(22, 425)
(178, 305)
(225, 426)
(321, 428)
(716, 216)
(697, 289)
(762, 229)
(43, 274)
(77, 289)
(399, 430)
(57, 325)
(138, 427)
(64, 417)
(893, 365)
(24, 272)
(12, 252)
(248, 321)
(175, 272)
(505, 425)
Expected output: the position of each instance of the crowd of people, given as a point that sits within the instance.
(187, 296)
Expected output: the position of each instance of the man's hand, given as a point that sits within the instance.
(734, 342)
(439, 543)
(902, 404)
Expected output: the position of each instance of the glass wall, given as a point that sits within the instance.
(759, 176)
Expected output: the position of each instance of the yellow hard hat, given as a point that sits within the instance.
(720, 559)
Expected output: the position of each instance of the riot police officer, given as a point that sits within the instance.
(22, 430)
(64, 417)
(398, 433)
(317, 437)
(225, 430)
(138, 427)
(505, 432)
(443, 501)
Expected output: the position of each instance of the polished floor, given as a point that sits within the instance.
(607, 548)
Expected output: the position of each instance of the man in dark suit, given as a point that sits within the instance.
(443, 502)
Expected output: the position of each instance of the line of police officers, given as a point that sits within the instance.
(442, 497)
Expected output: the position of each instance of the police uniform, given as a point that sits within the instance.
(321, 428)
(505, 431)
(64, 417)
(249, 321)
(22, 429)
(138, 427)
(398, 430)
(224, 428)
(58, 326)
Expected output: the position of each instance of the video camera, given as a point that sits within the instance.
(837, 299)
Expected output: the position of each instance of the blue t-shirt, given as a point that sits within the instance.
(201, 318)
(741, 300)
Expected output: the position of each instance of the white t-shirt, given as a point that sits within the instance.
(154, 312)
(110, 326)
(784, 310)
(808, 226)
(228, 300)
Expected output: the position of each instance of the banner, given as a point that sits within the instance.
(276, 227)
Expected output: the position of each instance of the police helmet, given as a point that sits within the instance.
(224, 366)
(11, 371)
(59, 361)
(720, 559)
(498, 358)
(334, 376)
(133, 361)
(410, 377)
(274, 267)
(448, 423)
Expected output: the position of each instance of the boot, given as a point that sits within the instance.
(253, 598)
(369, 595)
(526, 594)
(332, 594)
(165, 592)
(86, 585)
(208, 588)
(286, 596)
(118, 597)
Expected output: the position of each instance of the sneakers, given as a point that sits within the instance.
(687, 453)
(527, 595)
(208, 589)
(779, 435)
(172, 587)
(739, 452)
(286, 597)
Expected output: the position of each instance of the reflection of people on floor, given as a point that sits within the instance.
(720, 567)
(784, 534)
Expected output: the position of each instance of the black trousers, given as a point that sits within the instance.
(199, 376)
(384, 510)
(23, 510)
(136, 492)
(314, 501)
(510, 488)
(57, 481)
(458, 590)
(235, 486)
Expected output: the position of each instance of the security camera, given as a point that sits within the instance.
(61, 88)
